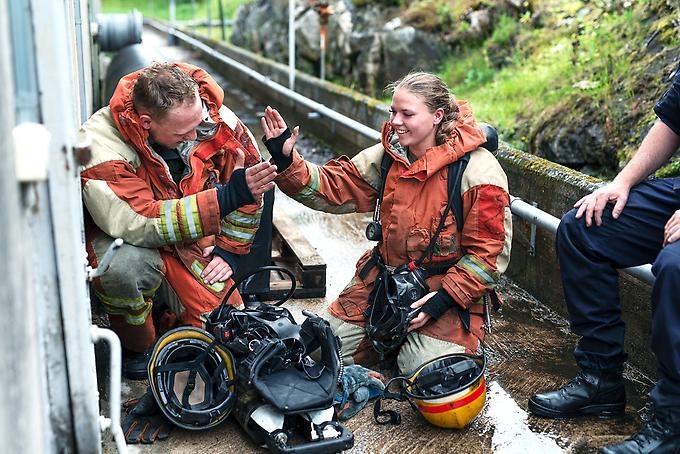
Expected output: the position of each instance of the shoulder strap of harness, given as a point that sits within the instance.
(455, 202)
(456, 170)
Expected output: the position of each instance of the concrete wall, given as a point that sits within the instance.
(554, 188)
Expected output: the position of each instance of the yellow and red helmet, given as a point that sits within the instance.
(449, 391)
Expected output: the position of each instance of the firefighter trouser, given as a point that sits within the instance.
(416, 349)
(135, 275)
(589, 258)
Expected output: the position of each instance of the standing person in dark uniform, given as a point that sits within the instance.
(636, 221)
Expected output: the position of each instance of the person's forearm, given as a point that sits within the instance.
(656, 148)
(234, 194)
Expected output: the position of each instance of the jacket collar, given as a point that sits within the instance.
(127, 119)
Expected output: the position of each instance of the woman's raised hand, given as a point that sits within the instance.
(274, 127)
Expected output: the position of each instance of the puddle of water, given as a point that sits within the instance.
(511, 432)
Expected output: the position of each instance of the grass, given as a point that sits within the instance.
(184, 9)
(547, 66)
(512, 95)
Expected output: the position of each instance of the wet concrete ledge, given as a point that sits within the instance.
(554, 188)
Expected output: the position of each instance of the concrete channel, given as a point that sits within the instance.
(529, 349)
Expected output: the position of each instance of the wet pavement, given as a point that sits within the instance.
(529, 350)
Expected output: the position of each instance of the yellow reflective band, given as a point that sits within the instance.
(475, 267)
(169, 232)
(189, 212)
(196, 269)
(312, 187)
(244, 219)
(196, 217)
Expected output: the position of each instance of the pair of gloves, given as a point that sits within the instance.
(143, 421)
(358, 385)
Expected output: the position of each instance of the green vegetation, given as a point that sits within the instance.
(547, 62)
(512, 96)
(576, 61)
(184, 9)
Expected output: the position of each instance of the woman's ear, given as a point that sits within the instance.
(438, 116)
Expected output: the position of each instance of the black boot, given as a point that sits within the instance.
(658, 436)
(588, 393)
(135, 364)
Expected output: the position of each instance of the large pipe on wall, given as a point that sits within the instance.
(116, 31)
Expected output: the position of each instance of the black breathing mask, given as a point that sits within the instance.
(390, 311)
(404, 287)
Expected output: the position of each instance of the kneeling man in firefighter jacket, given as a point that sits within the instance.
(179, 178)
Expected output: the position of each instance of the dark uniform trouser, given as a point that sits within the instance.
(589, 257)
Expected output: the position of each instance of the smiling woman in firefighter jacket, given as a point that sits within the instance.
(157, 179)
(428, 130)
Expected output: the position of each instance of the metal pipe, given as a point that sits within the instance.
(549, 222)
(322, 51)
(209, 4)
(222, 22)
(533, 214)
(517, 206)
(172, 15)
(312, 105)
(113, 422)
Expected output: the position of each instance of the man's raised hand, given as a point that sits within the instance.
(260, 177)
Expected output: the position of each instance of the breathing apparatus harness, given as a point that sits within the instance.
(271, 347)
(280, 389)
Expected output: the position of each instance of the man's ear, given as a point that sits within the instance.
(145, 121)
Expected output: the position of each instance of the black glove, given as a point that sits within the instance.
(438, 304)
(234, 194)
(275, 147)
(441, 302)
(144, 422)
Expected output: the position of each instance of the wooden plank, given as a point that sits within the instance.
(296, 242)
(291, 250)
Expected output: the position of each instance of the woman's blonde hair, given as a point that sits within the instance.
(435, 94)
